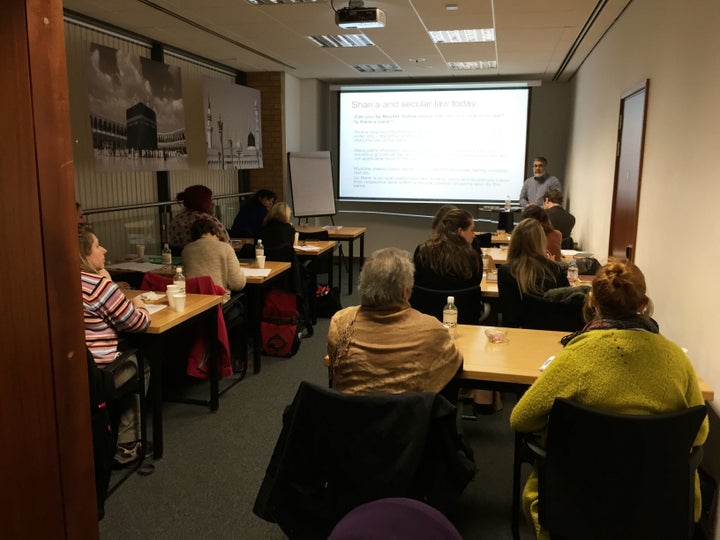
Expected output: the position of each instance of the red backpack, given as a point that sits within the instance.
(279, 326)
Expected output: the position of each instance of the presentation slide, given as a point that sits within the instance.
(433, 145)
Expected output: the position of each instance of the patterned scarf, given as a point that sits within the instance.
(634, 322)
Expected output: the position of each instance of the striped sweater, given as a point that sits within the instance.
(107, 312)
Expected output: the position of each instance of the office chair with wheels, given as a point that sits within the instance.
(608, 475)
(469, 301)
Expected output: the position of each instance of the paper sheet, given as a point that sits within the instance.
(308, 248)
(154, 308)
(256, 272)
(135, 266)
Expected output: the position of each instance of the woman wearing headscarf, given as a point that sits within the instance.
(198, 204)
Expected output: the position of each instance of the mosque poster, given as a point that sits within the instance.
(137, 114)
(233, 135)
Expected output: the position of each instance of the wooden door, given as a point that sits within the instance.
(628, 169)
(46, 454)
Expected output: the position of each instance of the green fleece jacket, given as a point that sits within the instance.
(621, 371)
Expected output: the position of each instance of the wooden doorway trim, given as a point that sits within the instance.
(628, 172)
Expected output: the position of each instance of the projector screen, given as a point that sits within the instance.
(432, 145)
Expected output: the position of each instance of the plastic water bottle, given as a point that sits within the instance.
(508, 203)
(166, 256)
(572, 272)
(259, 249)
(450, 316)
(179, 279)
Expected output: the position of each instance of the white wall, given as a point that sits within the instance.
(675, 45)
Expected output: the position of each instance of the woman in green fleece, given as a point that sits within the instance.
(618, 363)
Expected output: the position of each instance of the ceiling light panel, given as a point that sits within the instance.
(277, 2)
(377, 68)
(463, 36)
(342, 40)
(467, 66)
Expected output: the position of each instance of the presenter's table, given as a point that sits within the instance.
(343, 234)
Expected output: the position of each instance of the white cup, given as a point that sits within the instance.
(140, 250)
(297, 239)
(260, 261)
(172, 290)
(179, 301)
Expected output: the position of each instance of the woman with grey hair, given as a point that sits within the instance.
(384, 345)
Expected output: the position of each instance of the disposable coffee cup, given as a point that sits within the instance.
(179, 301)
(172, 290)
(260, 261)
(140, 250)
(297, 239)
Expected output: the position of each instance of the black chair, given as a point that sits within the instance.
(607, 475)
(535, 312)
(337, 451)
(483, 239)
(135, 385)
(567, 243)
(471, 308)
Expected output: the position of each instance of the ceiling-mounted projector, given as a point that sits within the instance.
(360, 17)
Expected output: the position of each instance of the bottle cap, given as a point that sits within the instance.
(451, 300)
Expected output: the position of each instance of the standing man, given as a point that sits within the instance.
(560, 218)
(535, 187)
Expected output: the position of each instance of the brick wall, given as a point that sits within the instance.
(272, 95)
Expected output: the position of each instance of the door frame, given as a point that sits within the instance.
(615, 234)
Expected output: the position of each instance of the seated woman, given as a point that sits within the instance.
(618, 363)
(384, 345)
(278, 234)
(207, 256)
(198, 204)
(528, 270)
(447, 260)
(553, 236)
(107, 312)
(252, 212)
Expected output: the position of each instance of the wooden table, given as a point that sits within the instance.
(255, 287)
(198, 307)
(344, 234)
(515, 364)
(500, 238)
(324, 249)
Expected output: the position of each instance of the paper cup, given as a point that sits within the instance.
(260, 261)
(179, 301)
(172, 290)
(140, 250)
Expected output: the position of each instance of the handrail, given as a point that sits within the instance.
(90, 211)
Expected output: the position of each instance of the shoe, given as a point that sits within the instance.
(126, 454)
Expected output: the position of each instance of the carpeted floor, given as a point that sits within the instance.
(205, 485)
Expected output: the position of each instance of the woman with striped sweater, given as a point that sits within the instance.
(107, 312)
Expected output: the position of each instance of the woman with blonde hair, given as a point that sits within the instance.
(552, 235)
(528, 270)
(277, 233)
(618, 363)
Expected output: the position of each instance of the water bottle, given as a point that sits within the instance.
(450, 316)
(508, 203)
(179, 279)
(166, 257)
(259, 249)
(572, 272)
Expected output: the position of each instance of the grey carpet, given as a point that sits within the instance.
(206, 483)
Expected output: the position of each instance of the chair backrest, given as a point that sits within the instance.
(395, 517)
(432, 301)
(609, 475)
(483, 239)
(337, 451)
(541, 314)
(315, 235)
